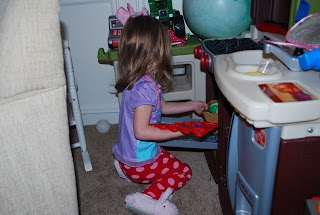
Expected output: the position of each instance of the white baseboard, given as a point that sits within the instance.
(93, 118)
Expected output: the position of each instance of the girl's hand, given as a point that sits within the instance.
(183, 107)
(199, 106)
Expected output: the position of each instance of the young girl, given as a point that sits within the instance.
(145, 68)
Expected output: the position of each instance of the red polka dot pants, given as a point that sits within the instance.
(166, 172)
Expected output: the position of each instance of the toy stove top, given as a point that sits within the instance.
(212, 47)
(228, 46)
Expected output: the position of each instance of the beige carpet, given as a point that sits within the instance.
(101, 191)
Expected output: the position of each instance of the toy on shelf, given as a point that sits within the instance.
(171, 18)
(115, 30)
(197, 128)
(161, 10)
(117, 22)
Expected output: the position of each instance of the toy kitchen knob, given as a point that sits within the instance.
(205, 61)
(198, 52)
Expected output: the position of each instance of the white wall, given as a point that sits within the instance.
(85, 25)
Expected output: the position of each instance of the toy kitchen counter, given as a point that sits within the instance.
(273, 97)
(271, 158)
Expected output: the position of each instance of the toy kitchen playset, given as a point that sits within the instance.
(269, 161)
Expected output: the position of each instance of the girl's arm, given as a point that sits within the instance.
(142, 129)
(182, 107)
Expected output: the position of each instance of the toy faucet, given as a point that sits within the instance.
(289, 60)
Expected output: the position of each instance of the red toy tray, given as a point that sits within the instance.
(197, 128)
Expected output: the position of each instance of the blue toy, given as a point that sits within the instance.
(310, 60)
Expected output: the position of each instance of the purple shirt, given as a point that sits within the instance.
(128, 149)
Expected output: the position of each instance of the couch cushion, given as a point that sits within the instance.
(36, 172)
(30, 44)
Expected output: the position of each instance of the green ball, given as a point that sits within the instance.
(213, 108)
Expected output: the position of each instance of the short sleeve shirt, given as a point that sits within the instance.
(128, 149)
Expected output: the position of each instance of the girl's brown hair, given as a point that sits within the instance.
(144, 49)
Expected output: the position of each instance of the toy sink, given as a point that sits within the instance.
(276, 98)
(252, 65)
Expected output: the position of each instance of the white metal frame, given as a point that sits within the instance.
(76, 118)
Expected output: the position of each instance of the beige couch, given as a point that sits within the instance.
(36, 167)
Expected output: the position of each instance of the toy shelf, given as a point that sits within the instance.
(191, 43)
